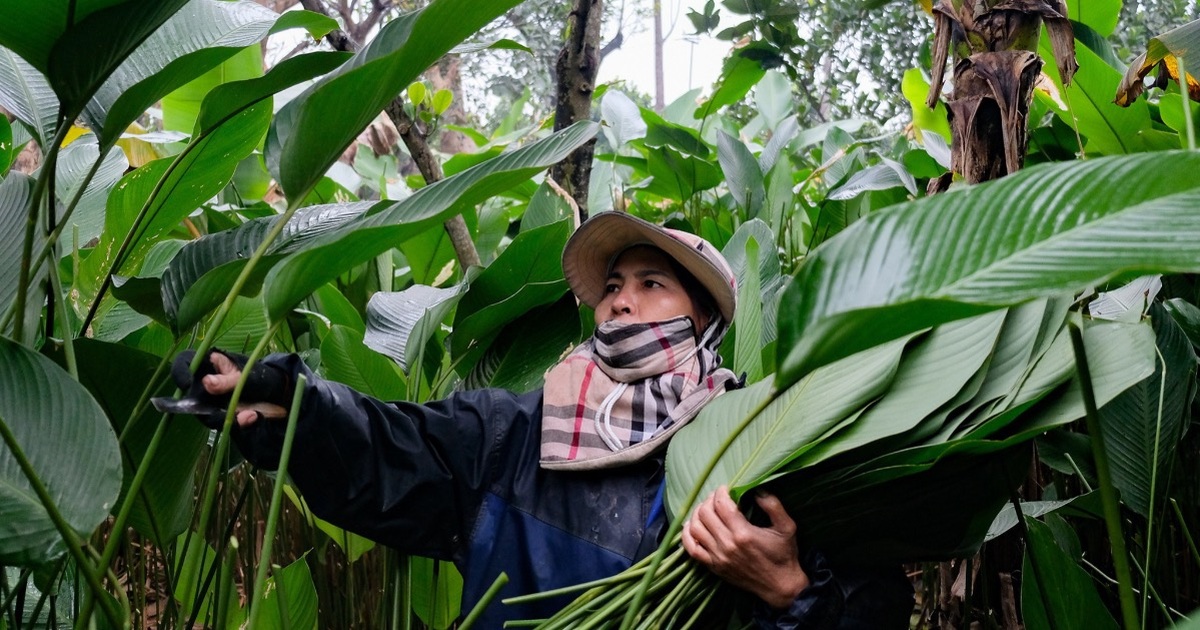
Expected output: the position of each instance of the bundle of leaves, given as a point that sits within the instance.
(918, 354)
(899, 453)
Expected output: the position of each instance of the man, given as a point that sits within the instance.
(564, 485)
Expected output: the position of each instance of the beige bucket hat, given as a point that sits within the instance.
(589, 254)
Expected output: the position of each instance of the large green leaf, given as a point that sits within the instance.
(26, 94)
(400, 323)
(289, 599)
(533, 258)
(1043, 231)
(199, 37)
(346, 359)
(938, 366)
(164, 506)
(312, 130)
(437, 592)
(1101, 15)
(15, 193)
(300, 274)
(73, 164)
(793, 422)
(49, 415)
(1051, 576)
(527, 347)
(748, 318)
(352, 544)
(193, 563)
(1139, 436)
(78, 44)
(186, 305)
(172, 188)
(1088, 107)
(742, 173)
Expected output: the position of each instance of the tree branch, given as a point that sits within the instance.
(417, 144)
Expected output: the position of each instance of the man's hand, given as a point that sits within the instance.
(208, 391)
(761, 560)
(223, 382)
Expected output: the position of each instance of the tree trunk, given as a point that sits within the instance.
(996, 64)
(578, 63)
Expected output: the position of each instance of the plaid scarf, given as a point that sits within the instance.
(620, 395)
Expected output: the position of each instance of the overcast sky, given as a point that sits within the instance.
(686, 64)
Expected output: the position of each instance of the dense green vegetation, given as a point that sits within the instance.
(911, 359)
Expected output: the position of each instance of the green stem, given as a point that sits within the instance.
(1187, 534)
(11, 595)
(69, 537)
(56, 233)
(684, 510)
(1162, 392)
(39, 190)
(488, 596)
(1112, 510)
(68, 336)
(1189, 125)
(264, 562)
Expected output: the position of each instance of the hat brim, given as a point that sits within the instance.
(591, 249)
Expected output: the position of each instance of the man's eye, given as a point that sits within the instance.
(611, 288)
(650, 284)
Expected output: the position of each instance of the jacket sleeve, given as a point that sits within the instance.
(406, 475)
(851, 599)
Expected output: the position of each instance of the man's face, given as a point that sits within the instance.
(642, 287)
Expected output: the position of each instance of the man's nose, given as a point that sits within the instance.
(623, 301)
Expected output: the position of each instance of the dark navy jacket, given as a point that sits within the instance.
(459, 479)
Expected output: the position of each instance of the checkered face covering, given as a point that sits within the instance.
(620, 395)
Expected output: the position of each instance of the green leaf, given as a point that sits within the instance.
(441, 101)
(660, 133)
(243, 326)
(1047, 230)
(361, 240)
(770, 280)
(437, 592)
(499, 44)
(747, 319)
(1139, 436)
(530, 266)
(181, 106)
(742, 174)
(26, 94)
(1187, 316)
(545, 207)
(622, 119)
(289, 599)
(527, 347)
(738, 75)
(1101, 15)
(1088, 107)
(173, 187)
(78, 44)
(193, 563)
(345, 359)
(15, 192)
(934, 370)
(677, 176)
(188, 290)
(416, 93)
(198, 38)
(311, 131)
(792, 423)
(773, 95)
(1068, 589)
(916, 90)
(50, 414)
(74, 162)
(164, 506)
(400, 324)
(887, 174)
